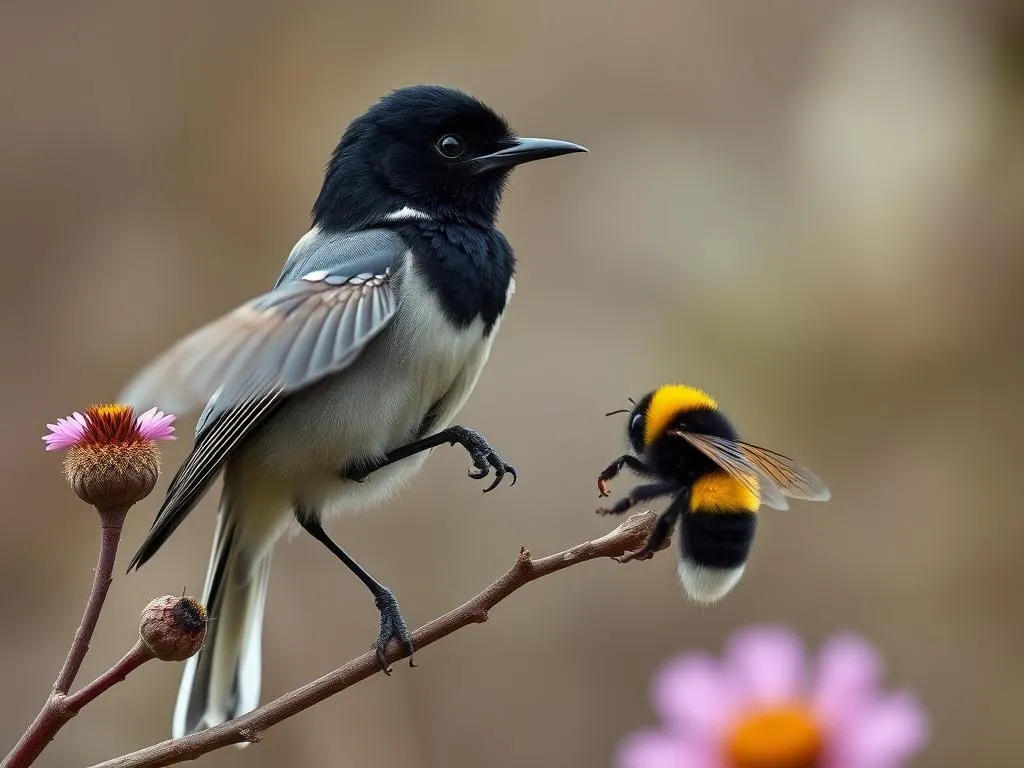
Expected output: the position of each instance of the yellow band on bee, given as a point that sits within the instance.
(667, 402)
(719, 492)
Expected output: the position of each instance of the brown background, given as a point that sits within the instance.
(812, 209)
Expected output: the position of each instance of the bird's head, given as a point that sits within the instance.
(424, 149)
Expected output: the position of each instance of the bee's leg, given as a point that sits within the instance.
(639, 494)
(612, 470)
(662, 530)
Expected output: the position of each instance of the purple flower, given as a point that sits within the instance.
(109, 425)
(764, 706)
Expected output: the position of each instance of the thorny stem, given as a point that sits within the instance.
(53, 714)
(632, 534)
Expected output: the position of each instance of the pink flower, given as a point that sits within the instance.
(112, 459)
(109, 425)
(764, 706)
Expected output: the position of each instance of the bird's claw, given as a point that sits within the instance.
(501, 468)
(392, 626)
(484, 460)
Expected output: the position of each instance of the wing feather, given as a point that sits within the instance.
(246, 363)
(201, 468)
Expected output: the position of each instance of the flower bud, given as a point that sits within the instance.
(173, 627)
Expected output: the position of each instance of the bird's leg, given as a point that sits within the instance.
(641, 493)
(612, 470)
(662, 530)
(392, 625)
(483, 456)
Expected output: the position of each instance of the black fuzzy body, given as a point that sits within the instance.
(717, 538)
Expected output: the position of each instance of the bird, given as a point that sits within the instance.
(682, 440)
(326, 393)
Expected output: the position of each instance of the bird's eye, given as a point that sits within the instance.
(451, 146)
(635, 423)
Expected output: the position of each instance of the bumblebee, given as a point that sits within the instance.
(684, 443)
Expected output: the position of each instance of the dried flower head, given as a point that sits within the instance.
(173, 627)
(112, 457)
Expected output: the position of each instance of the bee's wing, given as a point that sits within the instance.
(792, 479)
(730, 456)
(777, 475)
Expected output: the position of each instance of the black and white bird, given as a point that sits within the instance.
(325, 394)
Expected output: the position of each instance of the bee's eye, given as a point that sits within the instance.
(635, 422)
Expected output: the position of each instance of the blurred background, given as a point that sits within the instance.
(813, 209)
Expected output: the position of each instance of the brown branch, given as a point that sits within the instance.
(60, 708)
(54, 714)
(632, 534)
(131, 661)
(111, 524)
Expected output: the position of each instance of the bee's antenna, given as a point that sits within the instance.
(621, 410)
(631, 401)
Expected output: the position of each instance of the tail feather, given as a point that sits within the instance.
(223, 680)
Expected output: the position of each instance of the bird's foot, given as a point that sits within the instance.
(483, 456)
(392, 627)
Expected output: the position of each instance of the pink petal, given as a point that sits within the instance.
(884, 736)
(691, 695)
(654, 749)
(849, 671)
(155, 425)
(766, 664)
(65, 433)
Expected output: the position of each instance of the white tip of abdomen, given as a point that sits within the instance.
(707, 585)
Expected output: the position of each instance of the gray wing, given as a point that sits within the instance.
(332, 296)
(372, 250)
(245, 363)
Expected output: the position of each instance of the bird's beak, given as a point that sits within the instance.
(524, 151)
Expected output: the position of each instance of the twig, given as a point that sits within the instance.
(251, 727)
(55, 712)
(60, 708)
(111, 524)
(131, 661)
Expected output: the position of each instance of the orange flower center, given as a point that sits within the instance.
(780, 737)
(111, 425)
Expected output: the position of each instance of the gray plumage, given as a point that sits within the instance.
(303, 335)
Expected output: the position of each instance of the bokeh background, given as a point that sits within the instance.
(814, 209)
